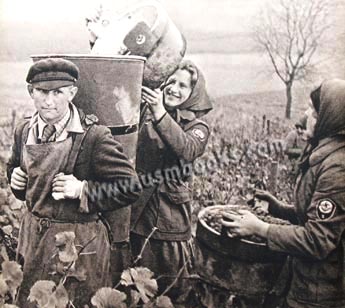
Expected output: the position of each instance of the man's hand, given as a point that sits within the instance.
(19, 179)
(154, 99)
(67, 185)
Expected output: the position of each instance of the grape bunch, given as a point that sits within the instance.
(10, 243)
(213, 217)
(265, 216)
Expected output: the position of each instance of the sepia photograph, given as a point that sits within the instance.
(172, 154)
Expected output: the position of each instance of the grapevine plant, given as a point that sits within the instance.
(139, 288)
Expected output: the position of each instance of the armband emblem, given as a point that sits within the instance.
(325, 209)
(199, 134)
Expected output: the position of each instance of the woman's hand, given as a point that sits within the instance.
(95, 23)
(263, 195)
(273, 203)
(244, 223)
(154, 99)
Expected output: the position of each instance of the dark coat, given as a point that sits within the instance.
(317, 242)
(161, 149)
(166, 151)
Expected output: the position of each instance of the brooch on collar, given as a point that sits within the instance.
(91, 119)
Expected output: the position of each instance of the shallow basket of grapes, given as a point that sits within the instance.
(252, 249)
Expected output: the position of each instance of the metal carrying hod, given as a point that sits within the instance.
(110, 88)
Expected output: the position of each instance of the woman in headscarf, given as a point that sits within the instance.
(317, 239)
(171, 137)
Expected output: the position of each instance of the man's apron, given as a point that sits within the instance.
(47, 217)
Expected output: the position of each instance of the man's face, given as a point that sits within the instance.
(52, 105)
(299, 130)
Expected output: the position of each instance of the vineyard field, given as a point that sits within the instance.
(244, 152)
(236, 119)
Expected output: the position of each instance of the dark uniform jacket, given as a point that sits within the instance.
(166, 151)
(100, 161)
(317, 243)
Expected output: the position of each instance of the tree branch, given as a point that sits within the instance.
(291, 33)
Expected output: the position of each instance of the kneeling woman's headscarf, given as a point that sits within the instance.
(329, 103)
(199, 102)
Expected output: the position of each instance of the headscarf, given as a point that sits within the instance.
(199, 102)
(331, 109)
(329, 103)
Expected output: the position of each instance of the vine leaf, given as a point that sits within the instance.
(164, 302)
(78, 273)
(62, 296)
(109, 298)
(160, 302)
(126, 278)
(64, 241)
(141, 278)
(8, 230)
(41, 291)
(3, 253)
(3, 286)
(12, 275)
(47, 295)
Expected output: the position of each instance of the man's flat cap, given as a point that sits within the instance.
(52, 73)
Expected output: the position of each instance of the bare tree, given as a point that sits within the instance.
(290, 33)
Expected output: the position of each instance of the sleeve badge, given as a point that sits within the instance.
(199, 134)
(325, 209)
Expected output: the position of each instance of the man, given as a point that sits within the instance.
(295, 141)
(60, 161)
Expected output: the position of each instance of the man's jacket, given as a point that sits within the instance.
(100, 162)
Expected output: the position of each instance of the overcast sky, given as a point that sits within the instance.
(222, 15)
